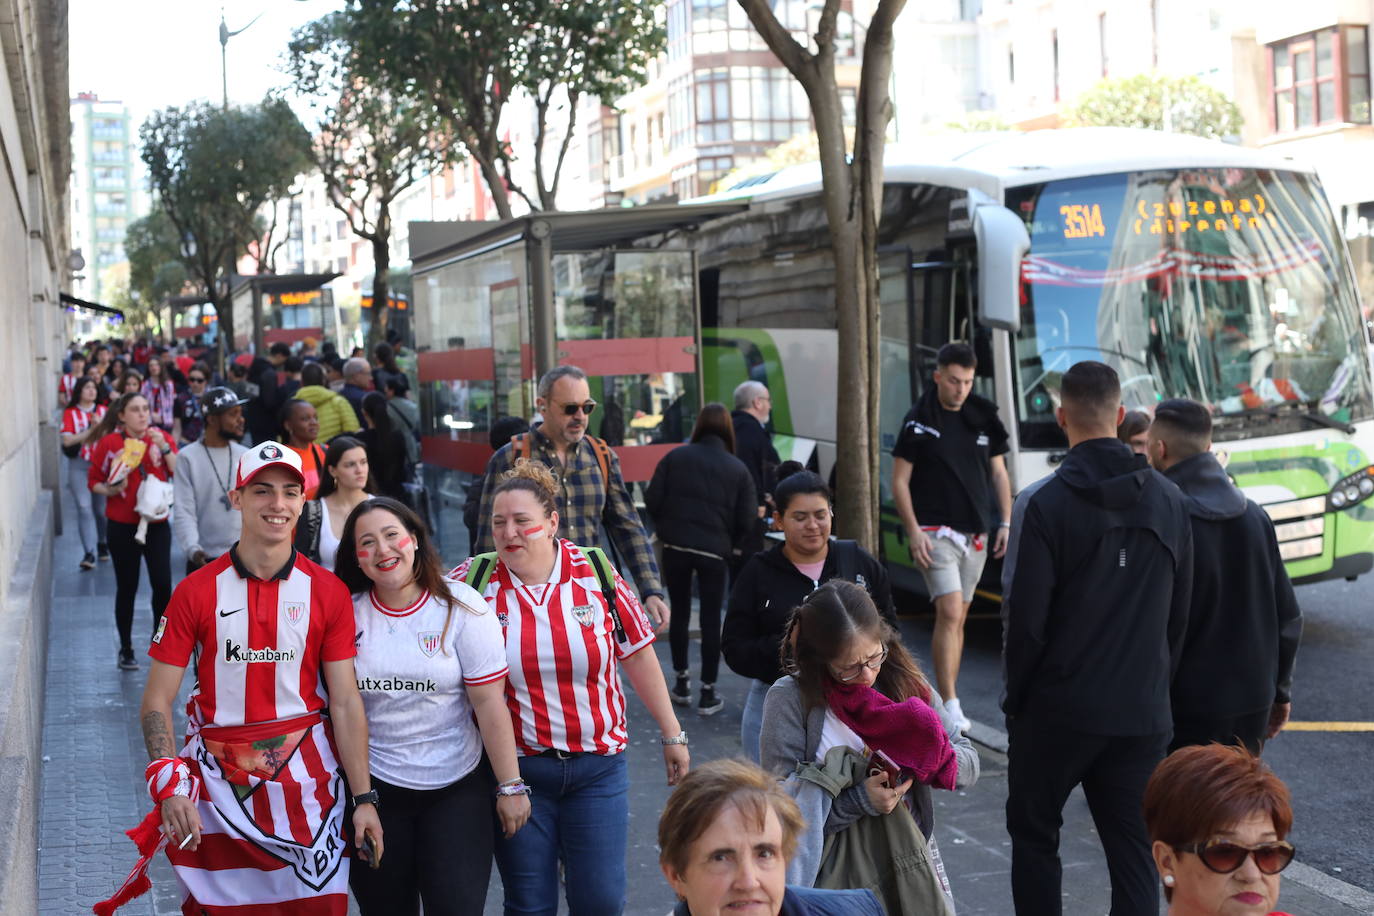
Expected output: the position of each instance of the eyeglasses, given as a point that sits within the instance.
(852, 672)
(1223, 857)
(197, 379)
(571, 410)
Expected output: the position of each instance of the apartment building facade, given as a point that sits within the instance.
(103, 188)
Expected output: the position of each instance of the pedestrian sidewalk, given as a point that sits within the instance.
(94, 758)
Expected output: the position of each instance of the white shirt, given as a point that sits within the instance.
(421, 731)
(329, 541)
(835, 733)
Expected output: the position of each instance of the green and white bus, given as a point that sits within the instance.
(1196, 269)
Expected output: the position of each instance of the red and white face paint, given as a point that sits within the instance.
(385, 549)
(519, 526)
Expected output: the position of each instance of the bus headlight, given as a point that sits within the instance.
(1353, 489)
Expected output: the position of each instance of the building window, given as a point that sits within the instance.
(1011, 66)
(1320, 78)
(713, 105)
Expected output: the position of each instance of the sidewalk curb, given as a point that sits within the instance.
(1311, 878)
(23, 660)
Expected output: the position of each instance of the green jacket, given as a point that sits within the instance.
(886, 854)
(335, 413)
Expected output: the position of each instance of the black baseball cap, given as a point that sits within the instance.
(218, 400)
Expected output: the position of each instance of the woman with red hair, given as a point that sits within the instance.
(1217, 818)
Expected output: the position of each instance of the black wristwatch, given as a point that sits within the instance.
(369, 797)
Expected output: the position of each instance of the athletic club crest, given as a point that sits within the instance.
(269, 452)
(429, 642)
(503, 618)
(583, 614)
(295, 610)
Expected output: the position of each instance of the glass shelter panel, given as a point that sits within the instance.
(647, 391)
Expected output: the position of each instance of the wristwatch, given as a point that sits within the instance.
(680, 739)
(369, 797)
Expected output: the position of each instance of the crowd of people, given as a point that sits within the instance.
(363, 720)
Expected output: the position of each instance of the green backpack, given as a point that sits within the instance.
(484, 564)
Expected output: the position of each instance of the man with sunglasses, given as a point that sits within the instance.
(594, 493)
(1235, 677)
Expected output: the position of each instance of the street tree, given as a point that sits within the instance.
(157, 269)
(852, 187)
(211, 170)
(1156, 101)
(465, 59)
(370, 145)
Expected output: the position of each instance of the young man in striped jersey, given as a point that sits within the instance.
(257, 785)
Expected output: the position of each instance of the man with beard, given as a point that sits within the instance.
(594, 492)
(204, 523)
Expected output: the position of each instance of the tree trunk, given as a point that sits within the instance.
(500, 196)
(381, 287)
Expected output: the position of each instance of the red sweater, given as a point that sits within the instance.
(121, 508)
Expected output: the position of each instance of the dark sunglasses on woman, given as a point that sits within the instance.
(1223, 857)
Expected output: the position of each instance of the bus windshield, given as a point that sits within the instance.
(1228, 286)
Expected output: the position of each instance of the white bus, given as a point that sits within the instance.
(1195, 268)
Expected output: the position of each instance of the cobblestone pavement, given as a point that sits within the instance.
(94, 759)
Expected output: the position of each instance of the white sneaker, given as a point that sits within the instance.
(956, 712)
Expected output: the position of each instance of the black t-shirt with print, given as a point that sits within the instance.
(951, 455)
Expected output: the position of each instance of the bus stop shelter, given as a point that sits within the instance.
(612, 291)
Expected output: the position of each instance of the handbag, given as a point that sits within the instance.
(153, 504)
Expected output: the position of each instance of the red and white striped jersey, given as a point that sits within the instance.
(65, 387)
(75, 420)
(258, 645)
(564, 688)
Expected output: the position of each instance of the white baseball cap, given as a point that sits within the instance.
(263, 456)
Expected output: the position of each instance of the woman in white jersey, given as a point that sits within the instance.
(430, 659)
(565, 645)
(344, 483)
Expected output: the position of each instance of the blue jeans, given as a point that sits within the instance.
(579, 815)
(751, 720)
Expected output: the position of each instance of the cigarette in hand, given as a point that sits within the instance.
(182, 844)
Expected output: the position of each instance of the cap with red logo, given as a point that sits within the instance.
(263, 456)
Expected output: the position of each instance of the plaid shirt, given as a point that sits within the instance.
(587, 503)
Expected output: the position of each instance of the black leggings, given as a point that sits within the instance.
(125, 553)
(437, 847)
(678, 566)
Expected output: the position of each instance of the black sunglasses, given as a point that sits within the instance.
(1224, 858)
(571, 410)
(195, 378)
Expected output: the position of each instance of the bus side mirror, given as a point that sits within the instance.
(1002, 243)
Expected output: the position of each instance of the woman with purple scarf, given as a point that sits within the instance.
(853, 685)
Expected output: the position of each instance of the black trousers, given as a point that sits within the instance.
(1045, 763)
(437, 848)
(125, 554)
(678, 567)
(1247, 729)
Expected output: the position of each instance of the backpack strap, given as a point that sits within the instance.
(603, 459)
(480, 570)
(606, 576)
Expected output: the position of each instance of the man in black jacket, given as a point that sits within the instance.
(1096, 589)
(1234, 679)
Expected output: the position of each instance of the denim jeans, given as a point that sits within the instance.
(90, 507)
(751, 719)
(579, 815)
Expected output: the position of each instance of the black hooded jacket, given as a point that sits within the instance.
(1244, 626)
(1095, 594)
(770, 586)
(702, 498)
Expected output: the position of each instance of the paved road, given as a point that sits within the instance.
(93, 791)
(1326, 771)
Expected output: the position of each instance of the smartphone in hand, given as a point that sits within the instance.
(369, 852)
(881, 763)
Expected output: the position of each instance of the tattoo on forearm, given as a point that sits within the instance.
(157, 737)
